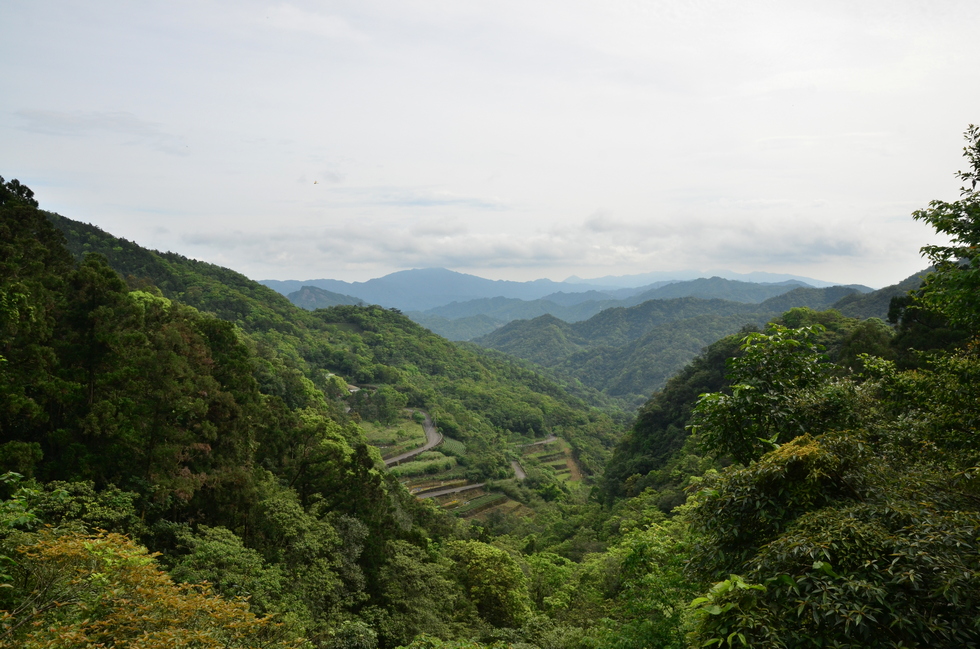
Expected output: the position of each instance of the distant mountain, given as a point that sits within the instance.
(722, 289)
(674, 275)
(628, 352)
(312, 298)
(459, 329)
(875, 304)
(817, 299)
(570, 308)
(424, 288)
(503, 309)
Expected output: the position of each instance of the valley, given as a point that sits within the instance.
(188, 454)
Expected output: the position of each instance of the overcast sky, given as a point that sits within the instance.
(509, 139)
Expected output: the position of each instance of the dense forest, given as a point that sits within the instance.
(184, 464)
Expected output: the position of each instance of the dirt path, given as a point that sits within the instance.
(518, 470)
(433, 438)
(454, 490)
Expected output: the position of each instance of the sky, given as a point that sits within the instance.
(508, 139)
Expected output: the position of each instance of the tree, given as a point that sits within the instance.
(493, 581)
(953, 287)
(758, 414)
(77, 590)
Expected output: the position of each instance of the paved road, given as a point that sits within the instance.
(454, 490)
(546, 440)
(518, 470)
(433, 438)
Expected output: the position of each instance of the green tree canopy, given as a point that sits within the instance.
(953, 287)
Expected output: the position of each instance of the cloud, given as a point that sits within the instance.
(445, 227)
(429, 198)
(292, 18)
(406, 197)
(97, 123)
(687, 243)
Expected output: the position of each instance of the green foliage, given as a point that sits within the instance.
(431, 642)
(660, 428)
(353, 634)
(453, 446)
(861, 535)
(77, 590)
(217, 556)
(493, 581)
(423, 595)
(955, 283)
(773, 369)
(424, 466)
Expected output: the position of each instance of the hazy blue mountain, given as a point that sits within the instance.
(508, 309)
(562, 298)
(311, 298)
(567, 307)
(674, 275)
(722, 289)
(424, 288)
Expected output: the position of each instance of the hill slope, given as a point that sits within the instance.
(477, 398)
(312, 298)
(628, 352)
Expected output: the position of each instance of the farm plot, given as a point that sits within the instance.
(480, 504)
(427, 463)
(403, 435)
(557, 456)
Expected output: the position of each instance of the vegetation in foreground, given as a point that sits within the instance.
(811, 484)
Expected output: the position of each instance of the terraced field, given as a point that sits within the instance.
(403, 435)
(555, 455)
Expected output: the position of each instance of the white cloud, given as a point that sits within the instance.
(523, 137)
(131, 128)
(289, 17)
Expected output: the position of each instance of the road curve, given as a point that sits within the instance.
(433, 438)
(518, 470)
(443, 492)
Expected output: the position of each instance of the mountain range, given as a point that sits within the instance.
(463, 307)
(422, 289)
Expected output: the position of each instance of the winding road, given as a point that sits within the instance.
(518, 470)
(433, 438)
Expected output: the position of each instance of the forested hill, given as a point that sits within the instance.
(628, 352)
(472, 396)
(181, 404)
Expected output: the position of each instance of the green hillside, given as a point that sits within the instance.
(459, 329)
(575, 307)
(812, 298)
(720, 289)
(628, 352)
(182, 404)
(877, 303)
(471, 396)
(312, 298)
